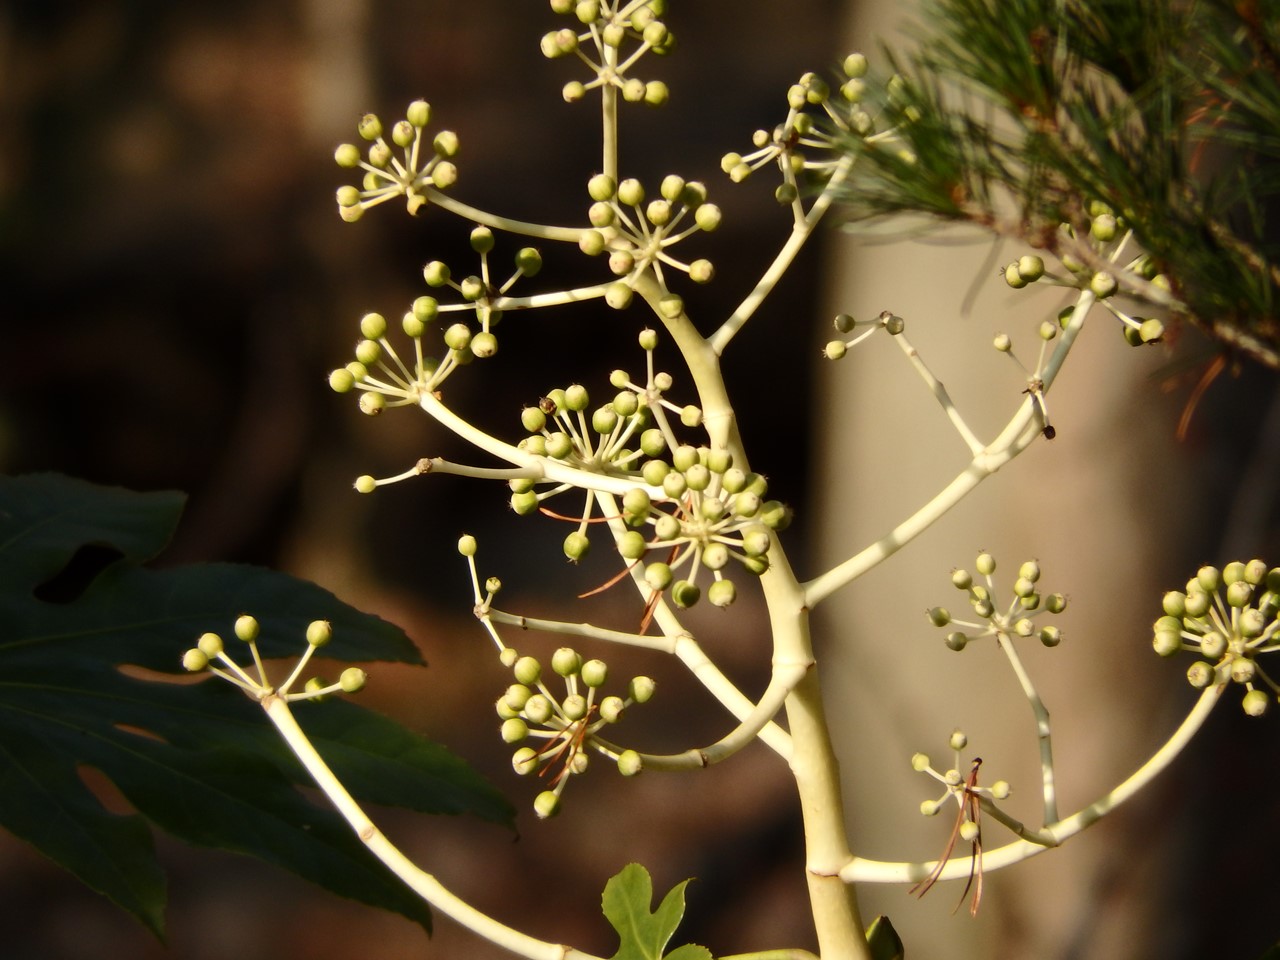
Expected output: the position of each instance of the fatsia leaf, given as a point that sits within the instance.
(90, 678)
(627, 899)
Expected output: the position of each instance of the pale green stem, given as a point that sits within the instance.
(940, 394)
(543, 467)
(494, 221)
(783, 680)
(793, 953)
(1041, 713)
(834, 907)
(1021, 431)
(418, 880)
(800, 234)
(858, 870)
(609, 117)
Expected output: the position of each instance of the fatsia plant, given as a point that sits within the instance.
(653, 471)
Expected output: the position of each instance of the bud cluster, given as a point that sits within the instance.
(210, 650)
(619, 33)
(708, 511)
(1105, 235)
(568, 726)
(1017, 618)
(387, 174)
(844, 323)
(385, 379)
(1228, 617)
(817, 118)
(957, 786)
(637, 231)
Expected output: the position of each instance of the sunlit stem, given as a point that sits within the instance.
(1041, 713)
(418, 880)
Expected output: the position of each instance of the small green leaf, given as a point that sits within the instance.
(883, 940)
(644, 935)
(79, 615)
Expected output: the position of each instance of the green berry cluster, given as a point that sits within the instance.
(1016, 618)
(690, 503)
(569, 725)
(955, 783)
(385, 379)
(817, 118)
(1106, 235)
(617, 33)
(844, 323)
(1229, 617)
(637, 232)
(388, 174)
(210, 654)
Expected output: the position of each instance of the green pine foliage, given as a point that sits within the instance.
(1022, 115)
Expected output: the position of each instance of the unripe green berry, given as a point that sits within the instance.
(629, 763)
(370, 127)
(436, 273)
(656, 92)
(1243, 670)
(1251, 623)
(559, 445)
(631, 192)
(341, 381)
(920, 762)
(958, 740)
(1167, 642)
(685, 594)
(939, 616)
(1050, 636)
(576, 398)
(1255, 703)
(352, 680)
(1030, 267)
(594, 673)
(618, 295)
(1013, 278)
(1055, 603)
(707, 217)
(1048, 330)
(957, 640)
(527, 670)
(1151, 331)
(1175, 604)
(445, 144)
(368, 352)
(658, 576)
(419, 113)
(701, 271)
(697, 477)
(444, 175)
(715, 556)
(348, 198)
(467, 545)
(641, 689)
(631, 545)
(574, 706)
(835, 350)
(547, 803)
(402, 134)
(986, 564)
(210, 644)
(636, 505)
(633, 90)
(566, 661)
(347, 155)
(894, 324)
(484, 344)
(611, 709)
(524, 761)
(576, 546)
(722, 593)
(458, 336)
(671, 306)
(195, 660)
(365, 484)
(319, 632)
(1024, 627)
(514, 730)
(538, 709)
(1103, 227)
(246, 628)
(1238, 594)
(1103, 285)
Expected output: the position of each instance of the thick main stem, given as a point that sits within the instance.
(836, 919)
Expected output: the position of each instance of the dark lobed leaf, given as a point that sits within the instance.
(198, 760)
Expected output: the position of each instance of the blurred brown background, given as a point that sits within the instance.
(177, 284)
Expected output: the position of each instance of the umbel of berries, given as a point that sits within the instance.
(564, 729)
(1228, 618)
